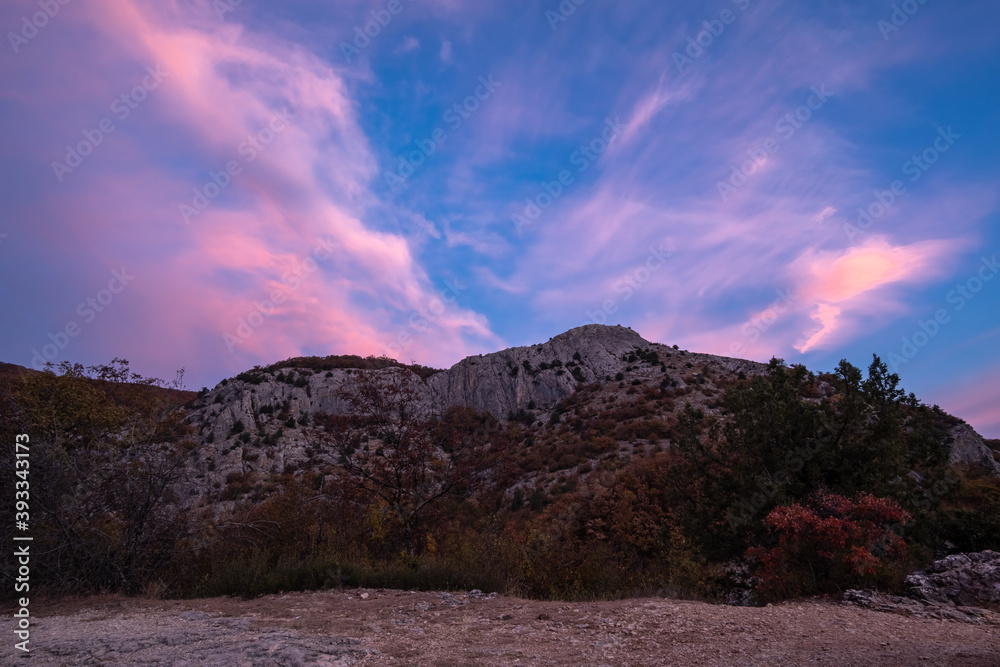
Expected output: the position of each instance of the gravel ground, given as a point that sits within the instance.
(380, 627)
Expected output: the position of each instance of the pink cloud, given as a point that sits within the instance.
(827, 316)
(837, 276)
(851, 282)
(650, 105)
(310, 181)
(825, 213)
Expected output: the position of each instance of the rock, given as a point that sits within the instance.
(500, 383)
(193, 615)
(960, 587)
(967, 580)
(238, 421)
(969, 448)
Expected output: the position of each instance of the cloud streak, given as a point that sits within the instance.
(766, 270)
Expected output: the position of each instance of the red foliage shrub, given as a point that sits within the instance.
(830, 543)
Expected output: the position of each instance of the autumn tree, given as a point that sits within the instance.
(402, 456)
(106, 460)
(829, 543)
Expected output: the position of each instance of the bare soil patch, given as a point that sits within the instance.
(382, 627)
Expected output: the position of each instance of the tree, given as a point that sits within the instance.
(866, 448)
(403, 457)
(784, 441)
(771, 439)
(106, 458)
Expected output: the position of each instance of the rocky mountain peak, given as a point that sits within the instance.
(274, 407)
(602, 333)
(541, 375)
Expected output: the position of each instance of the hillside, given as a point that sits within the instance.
(169, 397)
(596, 464)
(625, 388)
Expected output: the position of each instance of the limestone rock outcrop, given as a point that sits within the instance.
(969, 448)
(967, 580)
(960, 587)
(259, 421)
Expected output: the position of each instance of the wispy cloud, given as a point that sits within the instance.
(312, 180)
(782, 232)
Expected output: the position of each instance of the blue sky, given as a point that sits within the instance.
(470, 176)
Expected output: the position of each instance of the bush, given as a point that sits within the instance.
(970, 518)
(107, 462)
(254, 376)
(829, 544)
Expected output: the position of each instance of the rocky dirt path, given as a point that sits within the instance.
(378, 627)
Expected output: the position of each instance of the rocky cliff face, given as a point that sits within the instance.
(542, 375)
(262, 420)
(969, 448)
(500, 383)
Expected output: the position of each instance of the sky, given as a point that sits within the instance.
(214, 184)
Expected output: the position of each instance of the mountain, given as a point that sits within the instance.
(596, 463)
(263, 420)
(535, 377)
(260, 421)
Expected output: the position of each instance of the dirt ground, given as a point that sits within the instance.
(382, 627)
